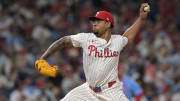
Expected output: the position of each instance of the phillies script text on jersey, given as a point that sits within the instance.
(100, 57)
(102, 53)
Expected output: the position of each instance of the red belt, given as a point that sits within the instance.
(99, 89)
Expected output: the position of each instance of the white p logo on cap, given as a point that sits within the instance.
(97, 13)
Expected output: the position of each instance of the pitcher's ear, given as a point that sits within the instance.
(109, 24)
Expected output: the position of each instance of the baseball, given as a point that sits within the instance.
(147, 8)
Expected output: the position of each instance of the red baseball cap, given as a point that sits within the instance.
(103, 15)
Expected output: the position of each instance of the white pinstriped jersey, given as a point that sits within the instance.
(100, 58)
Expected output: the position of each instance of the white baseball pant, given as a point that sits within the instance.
(84, 93)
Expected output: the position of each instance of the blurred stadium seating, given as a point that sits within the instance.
(28, 27)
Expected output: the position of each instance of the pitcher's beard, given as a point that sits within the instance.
(97, 34)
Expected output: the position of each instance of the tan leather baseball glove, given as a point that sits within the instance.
(45, 68)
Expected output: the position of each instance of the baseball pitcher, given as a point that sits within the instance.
(101, 52)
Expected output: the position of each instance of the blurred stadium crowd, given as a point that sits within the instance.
(28, 27)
